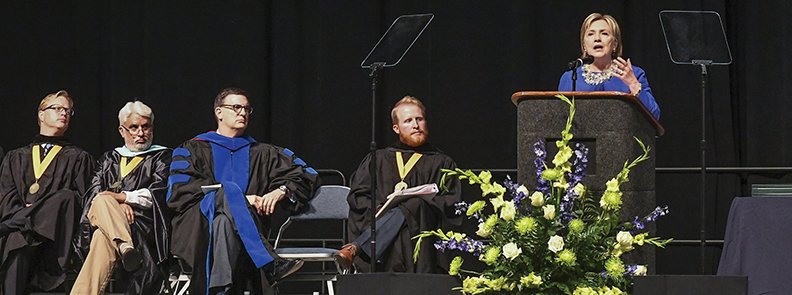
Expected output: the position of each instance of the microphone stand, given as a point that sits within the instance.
(574, 78)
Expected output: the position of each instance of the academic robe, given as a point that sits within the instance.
(194, 166)
(67, 177)
(150, 228)
(420, 215)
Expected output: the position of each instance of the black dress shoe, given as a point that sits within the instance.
(283, 268)
(131, 258)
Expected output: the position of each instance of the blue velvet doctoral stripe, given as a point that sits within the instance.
(232, 169)
(183, 152)
(299, 161)
(179, 165)
(175, 179)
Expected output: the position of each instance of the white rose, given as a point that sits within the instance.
(555, 244)
(508, 211)
(640, 270)
(483, 231)
(522, 189)
(537, 199)
(625, 239)
(549, 212)
(511, 251)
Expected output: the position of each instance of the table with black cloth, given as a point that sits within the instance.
(758, 244)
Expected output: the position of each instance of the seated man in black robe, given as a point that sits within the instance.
(220, 232)
(40, 189)
(410, 162)
(123, 217)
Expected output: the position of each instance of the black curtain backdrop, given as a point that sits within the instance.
(300, 62)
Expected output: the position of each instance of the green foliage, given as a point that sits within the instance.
(532, 248)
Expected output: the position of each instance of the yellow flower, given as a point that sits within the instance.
(567, 257)
(612, 185)
(639, 239)
(552, 174)
(483, 231)
(614, 267)
(525, 225)
(491, 221)
(476, 207)
(531, 280)
(497, 202)
(496, 284)
(453, 269)
(584, 291)
(490, 256)
(576, 226)
(508, 211)
(470, 285)
(563, 155)
(611, 200)
(485, 176)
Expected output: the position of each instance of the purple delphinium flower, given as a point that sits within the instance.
(640, 223)
(461, 208)
(513, 186)
(541, 153)
(465, 245)
(630, 270)
(659, 211)
(579, 165)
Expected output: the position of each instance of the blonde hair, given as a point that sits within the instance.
(406, 100)
(62, 93)
(135, 107)
(614, 26)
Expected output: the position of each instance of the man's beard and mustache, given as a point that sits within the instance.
(414, 140)
(139, 147)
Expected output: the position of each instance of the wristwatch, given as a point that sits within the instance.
(284, 189)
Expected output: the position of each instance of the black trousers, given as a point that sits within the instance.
(388, 227)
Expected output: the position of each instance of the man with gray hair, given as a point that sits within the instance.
(123, 217)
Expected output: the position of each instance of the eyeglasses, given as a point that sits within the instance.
(238, 108)
(134, 129)
(59, 108)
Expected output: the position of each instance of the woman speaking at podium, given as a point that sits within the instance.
(603, 67)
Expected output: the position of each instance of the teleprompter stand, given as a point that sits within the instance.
(697, 38)
(388, 52)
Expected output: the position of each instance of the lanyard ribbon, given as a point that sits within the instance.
(39, 166)
(404, 169)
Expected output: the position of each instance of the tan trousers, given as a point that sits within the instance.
(112, 229)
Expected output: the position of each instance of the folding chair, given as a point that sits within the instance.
(328, 203)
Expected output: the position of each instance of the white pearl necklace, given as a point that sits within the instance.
(595, 78)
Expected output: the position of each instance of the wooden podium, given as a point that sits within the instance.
(606, 123)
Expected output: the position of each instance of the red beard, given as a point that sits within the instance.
(413, 140)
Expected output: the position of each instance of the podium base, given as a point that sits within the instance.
(386, 283)
(690, 284)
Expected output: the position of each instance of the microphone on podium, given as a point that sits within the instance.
(579, 62)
